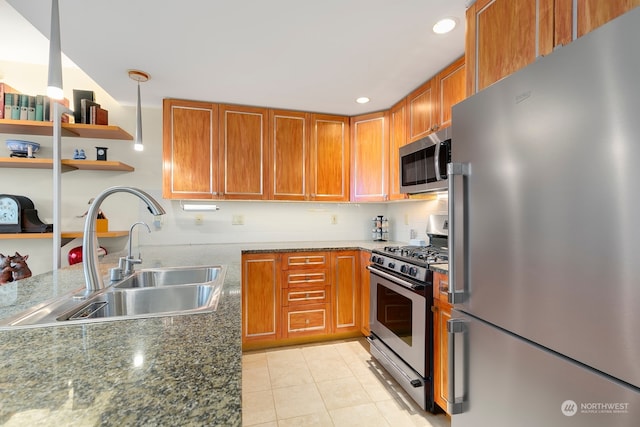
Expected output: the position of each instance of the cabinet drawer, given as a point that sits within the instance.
(312, 318)
(440, 286)
(306, 296)
(305, 278)
(305, 260)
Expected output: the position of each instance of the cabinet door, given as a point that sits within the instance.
(329, 160)
(365, 290)
(346, 291)
(370, 164)
(289, 141)
(244, 152)
(590, 15)
(397, 138)
(421, 109)
(504, 36)
(441, 314)
(189, 149)
(260, 297)
(451, 89)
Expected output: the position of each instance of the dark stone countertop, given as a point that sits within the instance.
(173, 370)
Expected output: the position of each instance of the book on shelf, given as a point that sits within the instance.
(78, 96)
(5, 89)
(31, 109)
(8, 105)
(85, 115)
(24, 106)
(99, 116)
(40, 108)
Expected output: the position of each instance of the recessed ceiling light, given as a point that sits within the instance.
(362, 100)
(444, 25)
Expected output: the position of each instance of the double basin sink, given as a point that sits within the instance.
(149, 292)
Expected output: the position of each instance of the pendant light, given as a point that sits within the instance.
(54, 85)
(139, 76)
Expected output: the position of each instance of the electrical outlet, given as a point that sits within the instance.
(237, 220)
(334, 219)
(199, 219)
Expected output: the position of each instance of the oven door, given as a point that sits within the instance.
(398, 319)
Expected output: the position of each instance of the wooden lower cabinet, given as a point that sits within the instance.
(346, 291)
(441, 314)
(261, 305)
(301, 297)
(365, 292)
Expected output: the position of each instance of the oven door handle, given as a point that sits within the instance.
(393, 278)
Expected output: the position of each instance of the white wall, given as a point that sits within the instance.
(263, 221)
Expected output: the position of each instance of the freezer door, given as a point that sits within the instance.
(506, 381)
(545, 229)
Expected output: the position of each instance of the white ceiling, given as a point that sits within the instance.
(311, 55)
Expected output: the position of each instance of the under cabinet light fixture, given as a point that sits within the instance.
(197, 207)
(54, 82)
(139, 76)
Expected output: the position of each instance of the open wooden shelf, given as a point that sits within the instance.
(30, 127)
(67, 164)
(64, 235)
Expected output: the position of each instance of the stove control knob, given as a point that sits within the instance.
(392, 265)
(374, 259)
(404, 268)
(413, 271)
(380, 261)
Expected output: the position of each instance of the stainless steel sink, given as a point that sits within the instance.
(153, 277)
(144, 302)
(147, 293)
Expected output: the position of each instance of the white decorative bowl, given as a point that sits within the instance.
(22, 147)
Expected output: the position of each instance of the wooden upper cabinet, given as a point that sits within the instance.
(329, 158)
(451, 89)
(502, 37)
(244, 152)
(289, 142)
(397, 138)
(421, 111)
(590, 15)
(189, 150)
(370, 161)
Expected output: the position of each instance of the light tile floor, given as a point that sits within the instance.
(329, 384)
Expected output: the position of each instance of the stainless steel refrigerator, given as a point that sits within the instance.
(544, 240)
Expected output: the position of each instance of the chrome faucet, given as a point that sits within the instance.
(125, 264)
(93, 280)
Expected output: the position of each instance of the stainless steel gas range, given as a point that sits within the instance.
(401, 320)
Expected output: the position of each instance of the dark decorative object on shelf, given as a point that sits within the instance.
(101, 153)
(18, 215)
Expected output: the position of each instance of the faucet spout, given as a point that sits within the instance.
(93, 280)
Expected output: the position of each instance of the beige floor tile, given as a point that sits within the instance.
(271, 424)
(258, 408)
(284, 355)
(254, 360)
(329, 369)
(318, 419)
(377, 389)
(255, 379)
(342, 393)
(286, 375)
(297, 400)
(320, 352)
(366, 415)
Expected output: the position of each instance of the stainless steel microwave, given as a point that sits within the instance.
(423, 163)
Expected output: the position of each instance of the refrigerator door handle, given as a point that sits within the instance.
(455, 404)
(456, 296)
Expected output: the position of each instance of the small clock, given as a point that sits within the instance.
(10, 214)
(101, 153)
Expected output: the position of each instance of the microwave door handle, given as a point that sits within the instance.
(436, 162)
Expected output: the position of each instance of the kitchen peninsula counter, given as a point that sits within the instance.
(173, 370)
